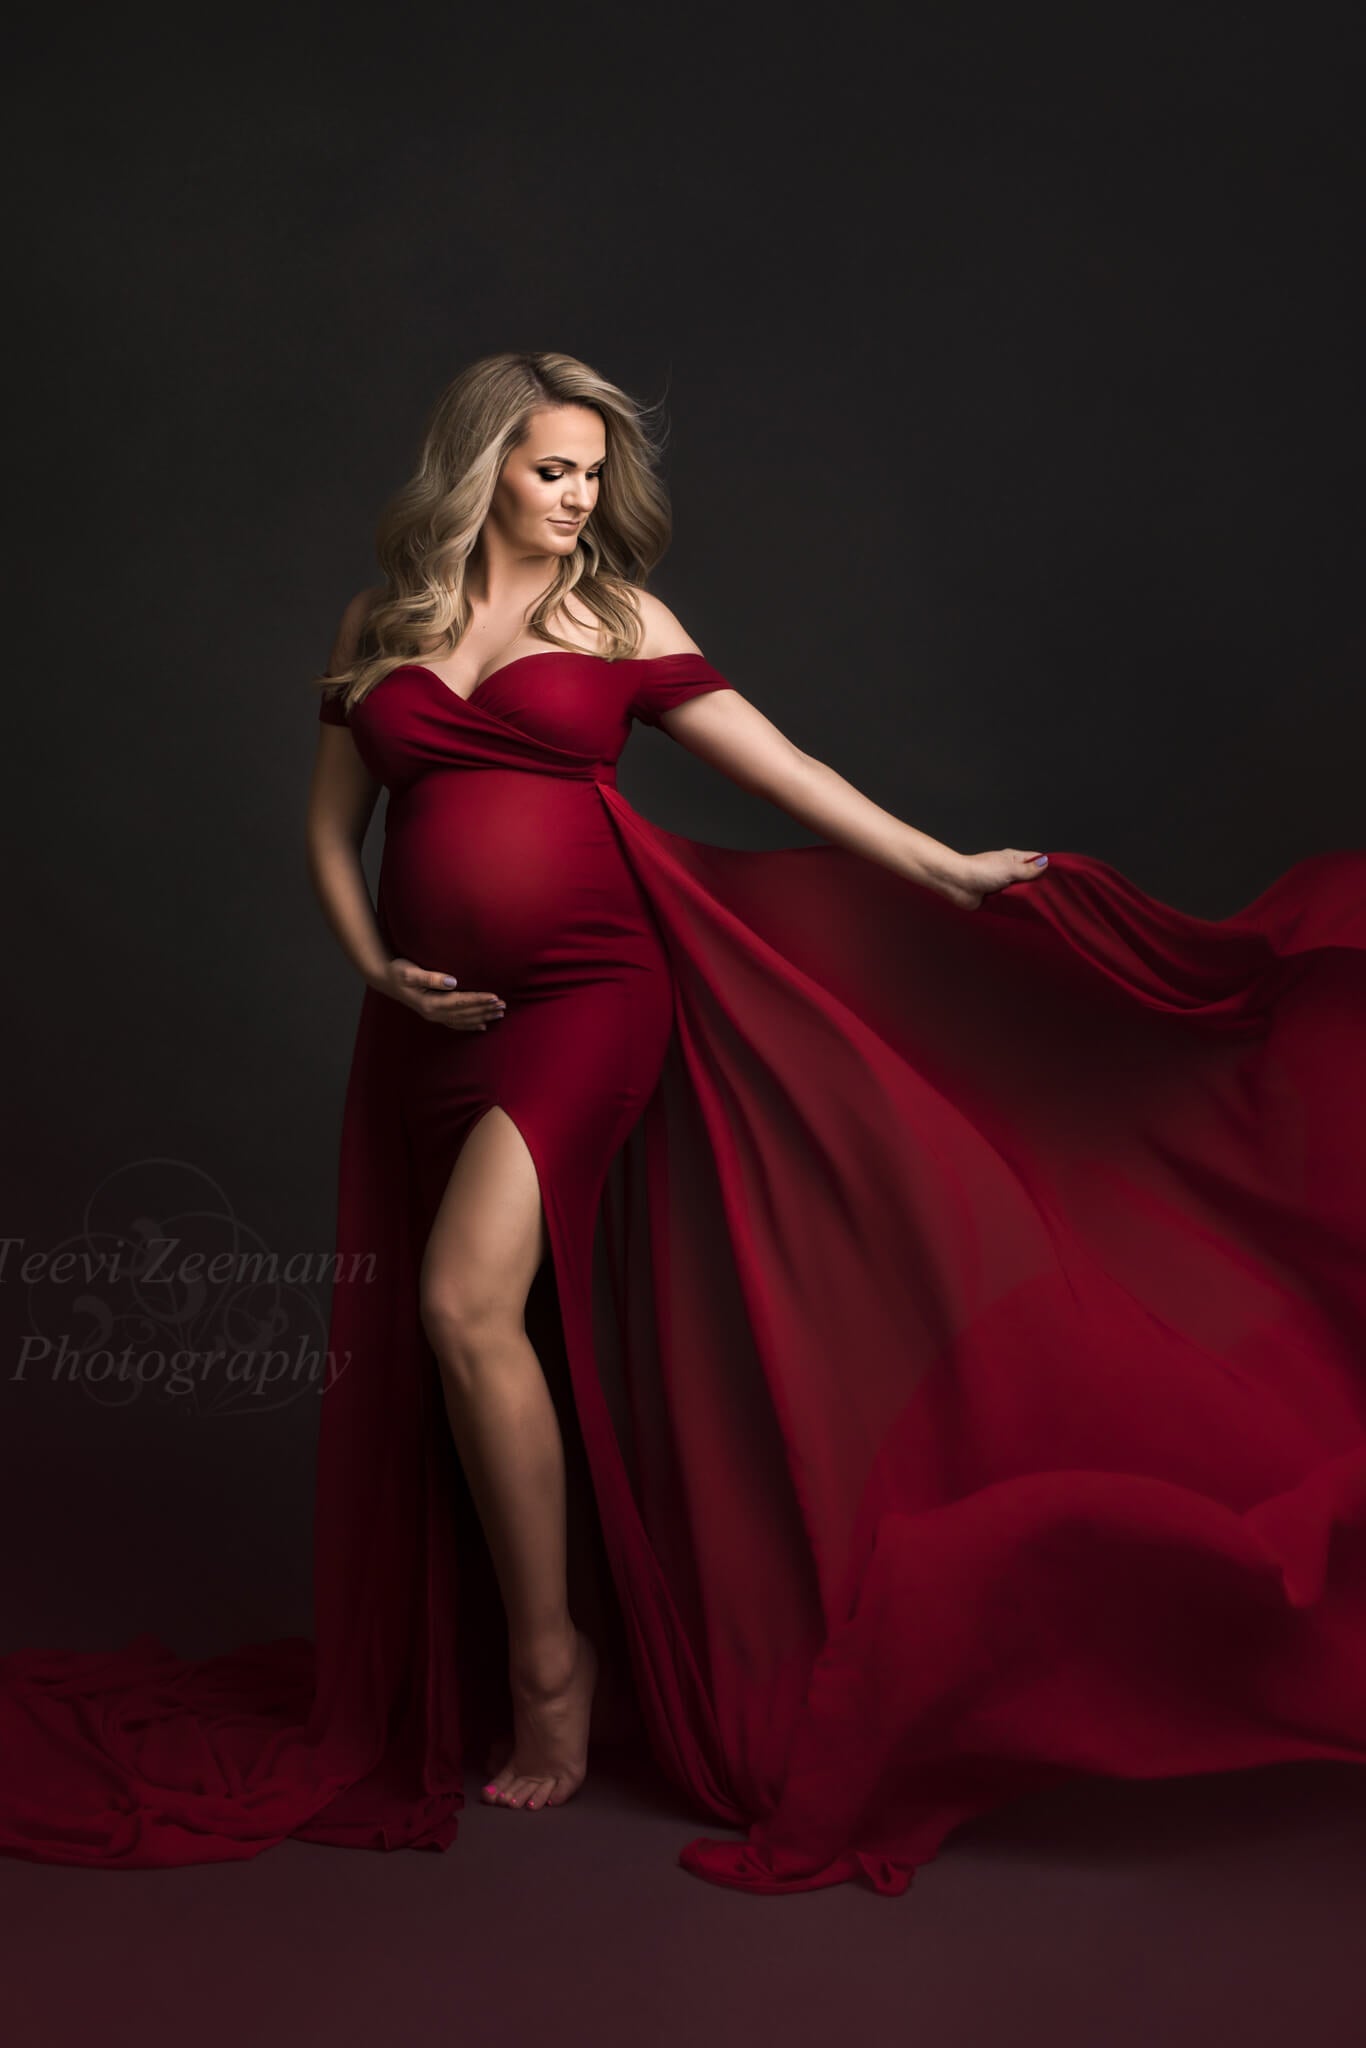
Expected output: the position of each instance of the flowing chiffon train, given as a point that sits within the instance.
(963, 1317)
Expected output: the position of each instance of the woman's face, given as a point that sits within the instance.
(549, 485)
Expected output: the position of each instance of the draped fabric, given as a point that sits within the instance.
(962, 1318)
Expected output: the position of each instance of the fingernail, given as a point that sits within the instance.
(489, 1788)
(1042, 861)
(448, 981)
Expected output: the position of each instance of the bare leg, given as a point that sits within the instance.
(486, 1244)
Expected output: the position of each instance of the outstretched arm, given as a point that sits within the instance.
(724, 729)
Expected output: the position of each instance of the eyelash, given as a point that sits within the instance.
(552, 476)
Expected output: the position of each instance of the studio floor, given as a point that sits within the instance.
(1106, 1915)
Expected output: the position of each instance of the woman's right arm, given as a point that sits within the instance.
(341, 803)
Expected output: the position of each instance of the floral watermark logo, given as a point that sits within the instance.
(166, 1293)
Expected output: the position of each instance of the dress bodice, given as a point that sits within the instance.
(564, 712)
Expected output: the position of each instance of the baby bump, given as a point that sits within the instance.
(511, 881)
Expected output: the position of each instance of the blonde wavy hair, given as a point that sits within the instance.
(428, 529)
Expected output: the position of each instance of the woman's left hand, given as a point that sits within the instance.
(979, 875)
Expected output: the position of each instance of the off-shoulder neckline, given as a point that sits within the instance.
(548, 654)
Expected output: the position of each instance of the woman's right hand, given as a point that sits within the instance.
(435, 996)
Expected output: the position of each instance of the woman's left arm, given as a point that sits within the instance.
(727, 731)
(731, 734)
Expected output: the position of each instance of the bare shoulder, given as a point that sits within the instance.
(662, 632)
(350, 627)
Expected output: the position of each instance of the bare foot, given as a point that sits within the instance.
(549, 1749)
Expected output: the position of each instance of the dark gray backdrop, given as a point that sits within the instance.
(1013, 366)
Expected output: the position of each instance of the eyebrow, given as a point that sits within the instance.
(565, 462)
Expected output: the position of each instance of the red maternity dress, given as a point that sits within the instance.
(964, 1314)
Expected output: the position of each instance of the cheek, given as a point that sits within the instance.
(526, 497)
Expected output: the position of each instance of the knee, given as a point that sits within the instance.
(465, 1320)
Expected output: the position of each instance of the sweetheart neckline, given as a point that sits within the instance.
(543, 654)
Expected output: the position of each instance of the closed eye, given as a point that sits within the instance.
(552, 476)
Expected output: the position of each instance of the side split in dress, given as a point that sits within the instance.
(964, 1316)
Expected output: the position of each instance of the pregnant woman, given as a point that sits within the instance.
(526, 1069)
(957, 1263)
